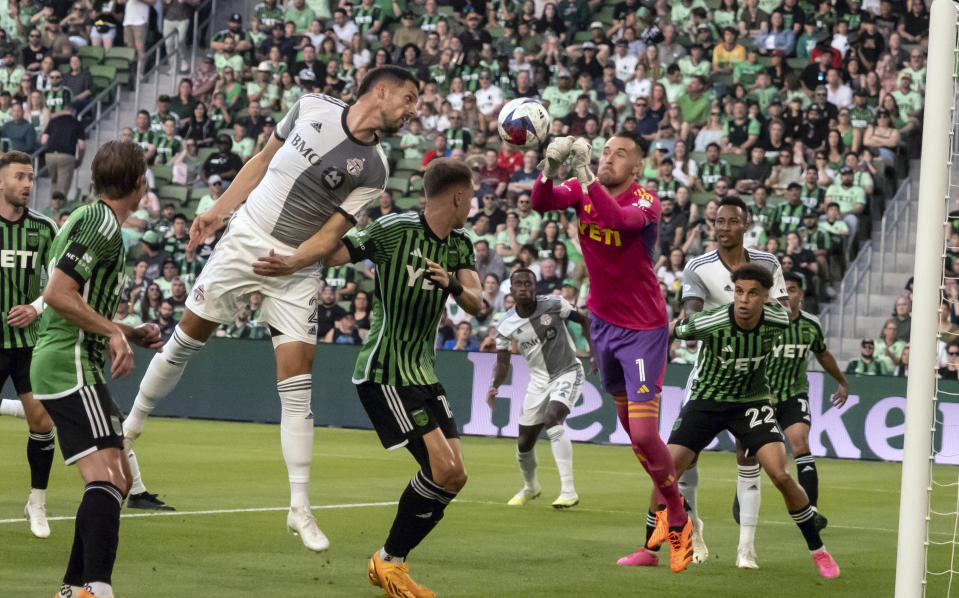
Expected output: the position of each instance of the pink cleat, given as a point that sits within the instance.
(827, 566)
(640, 558)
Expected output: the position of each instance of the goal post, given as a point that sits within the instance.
(921, 386)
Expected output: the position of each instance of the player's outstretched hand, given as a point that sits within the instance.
(121, 355)
(840, 396)
(21, 316)
(593, 368)
(203, 226)
(147, 335)
(275, 265)
(437, 274)
(556, 153)
(580, 154)
(491, 396)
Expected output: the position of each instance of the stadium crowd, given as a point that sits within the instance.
(808, 110)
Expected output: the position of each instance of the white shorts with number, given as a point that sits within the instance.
(565, 389)
(227, 281)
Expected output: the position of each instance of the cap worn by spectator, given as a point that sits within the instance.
(562, 73)
(596, 25)
(643, 12)
(269, 120)
(152, 239)
(264, 68)
(867, 17)
(622, 43)
(214, 179)
(236, 18)
(794, 185)
(845, 170)
(589, 46)
(868, 342)
(163, 98)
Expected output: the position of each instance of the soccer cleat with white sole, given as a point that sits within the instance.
(36, 512)
(395, 579)
(301, 522)
(700, 552)
(746, 559)
(68, 591)
(565, 502)
(524, 496)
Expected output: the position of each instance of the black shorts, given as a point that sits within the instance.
(794, 410)
(15, 364)
(87, 421)
(753, 424)
(402, 413)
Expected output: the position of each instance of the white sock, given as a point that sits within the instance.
(296, 434)
(527, 465)
(750, 496)
(161, 377)
(389, 558)
(68, 590)
(12, 408)
(137, 487)
(98, 588)
(688, 487)
(563, 455)
(818, 550)
(38, 496)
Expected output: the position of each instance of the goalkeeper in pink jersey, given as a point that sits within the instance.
(618, 230)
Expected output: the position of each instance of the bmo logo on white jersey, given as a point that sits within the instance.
(299, 144)
(12, 258)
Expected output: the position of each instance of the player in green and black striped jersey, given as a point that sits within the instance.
(25, 238)
(786, 372)
(730, 392)
(421, 260)
(86, 279)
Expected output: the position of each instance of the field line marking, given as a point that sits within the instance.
(219, 511)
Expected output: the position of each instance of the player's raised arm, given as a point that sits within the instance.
(828, 363)
(243, 184)
(544, 197)
(642, 212)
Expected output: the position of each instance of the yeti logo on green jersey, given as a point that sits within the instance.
(12, 258)
(742, 364)
(415, 274)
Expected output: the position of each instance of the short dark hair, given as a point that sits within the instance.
(14, 157)
(443, 173)
(734, 201)
(117, 168)
(793, 278)
(642, 146)
(388, 72)
(522, 271)
(180, 216)
(753, 272)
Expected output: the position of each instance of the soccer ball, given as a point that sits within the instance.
(524, 123)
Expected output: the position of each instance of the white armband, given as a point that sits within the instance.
(39, 305)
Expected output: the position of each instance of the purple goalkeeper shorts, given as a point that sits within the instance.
(630, 361)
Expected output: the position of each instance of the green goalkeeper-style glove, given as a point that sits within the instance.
(580, 154)
(556, 153)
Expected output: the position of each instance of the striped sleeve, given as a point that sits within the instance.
(463, 256)
(775, 315)
(701, 325)
(818, 344)
(89, 243)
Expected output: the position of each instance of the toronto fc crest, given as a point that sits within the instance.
(354, 166)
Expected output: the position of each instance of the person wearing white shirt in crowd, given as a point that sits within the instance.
(639, 86)
(489, 97)
(344, 29)
(624, 60)
(520, 62)
(837, 93)
(136, 17)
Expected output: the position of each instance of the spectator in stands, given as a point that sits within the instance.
(33, 52)
(243, 145)
(549, 279)
(755, 173)
(184, 104)
(867, 364)
(205, 79)
(224, 162)
(18, 132)
(57, 96)
(186, 165)
(850, 198)
(169, 272)
(242, 327)
(10, 73)
(152, 253)
(903, 317)
(148, 305)
(384, 207)
(63, 140)
(79, 82)
(125, 316)
(360, 308)
(199, 127)
(950, 370)
(463, 340)
(890, 348)
(136, 17)
(328, 312)
(488, 262)
(58, 201)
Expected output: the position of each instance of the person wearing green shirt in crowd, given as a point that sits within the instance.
(529, 220)
(268, 15)
(695, 104)
(511, 239)
(916, 68)
(764, 92)
(909, 101)
(850, 199)
(215, 185)
(263, 89)
(242, 145)
(412, 140)
(693, 64)
(813, 196)
(219, 114)
(10, 74)
(888, 347)
(368, 17)
(228, 57)
(745, 73)
(673, 82)
(763, 213)
(300, 15)
(561, 96)
(169, 145)
(740, 132)
(867, 364)
(144, 136)
(681, 10)
(789, 214)
(861, 114)
(612, 96)
(834, 225)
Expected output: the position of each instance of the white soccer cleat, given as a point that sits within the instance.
(746, 558)
(300, 521)
(36, 512)
(700, 552)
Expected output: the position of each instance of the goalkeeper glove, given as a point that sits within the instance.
(554, 157)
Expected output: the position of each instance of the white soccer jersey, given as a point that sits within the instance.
(708, 278)
(320, 169)
(543, 339)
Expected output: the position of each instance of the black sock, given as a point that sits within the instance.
(805, 519)
(651, 527)
(98, 524)
(74, 574)
(808, 476)
(40, 457)
(420, 509)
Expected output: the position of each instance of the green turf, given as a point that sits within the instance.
(482, 547)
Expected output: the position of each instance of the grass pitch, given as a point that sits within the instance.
(228, 537)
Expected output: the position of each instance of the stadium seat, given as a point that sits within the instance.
(398, 184)
(64, 68)
(735, 160)
(797, 63)
(122, 60)
(174, 193)
(412, 164)
(699, 157)
(416, 185)
(90, 55)
(702, 198)
(203, 153)
(103, 76)
(163, 175)
(407, 203)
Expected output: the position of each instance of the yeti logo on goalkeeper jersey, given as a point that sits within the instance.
(415, 274)
(742, 364)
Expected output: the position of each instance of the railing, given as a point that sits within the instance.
(894, 233)
(197, 25)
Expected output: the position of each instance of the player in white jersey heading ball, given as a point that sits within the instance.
(538, 326)
(303, 191)
(707, 283)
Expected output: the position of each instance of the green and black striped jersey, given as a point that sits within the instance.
(407, 306)
(786, 368)
(24, 247)
(731, 366)
(146, 139)
(89, 250)
(167, 149)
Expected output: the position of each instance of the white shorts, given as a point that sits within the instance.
(227, 281)
(565, 389)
